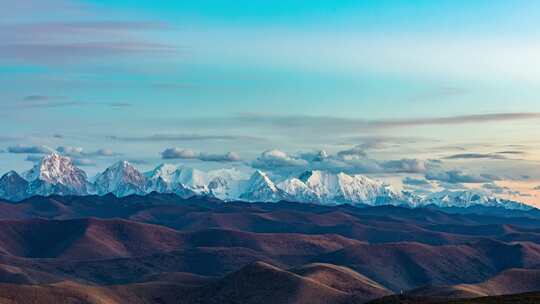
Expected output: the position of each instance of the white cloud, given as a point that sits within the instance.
(80, 152)
(353, 161)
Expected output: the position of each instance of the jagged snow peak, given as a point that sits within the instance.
(120, 179)
(325, 187)
(56, 174)
(261, 188)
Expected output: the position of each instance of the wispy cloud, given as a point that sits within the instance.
(182, 137)
(416, 182)
(460, 177)
(276, 159)
(80, 152)
(512, 152)
(178, 153)
(61, 42)
(84, 162)
(379, 142)
(67, 51)
(15, 10)
(462, 119)
(44, 101)
(293, 121)
(345, 129)
(36, 98)
(120, 105)
(20, 149)
(46, 30)
(475, 156)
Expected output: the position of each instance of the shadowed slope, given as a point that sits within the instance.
(403, 266)
(257, 282)
(262, 283)
(509, 281)
(84, 238)
(96, 239)
(73, 293)
(343, 279)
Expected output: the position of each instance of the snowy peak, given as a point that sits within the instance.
(326, 187)
(54, 168)
(222, 188)
(465, 199)
(160, 179)
(324, 184)
(56, 174)
(226, 184)
(193, 179)
(259, 180)
(182, 181)
(298, 190)
(120, 179)
(261, 188)
(164, 171)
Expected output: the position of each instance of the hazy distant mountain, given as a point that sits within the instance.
(465, 199)
(13, 187)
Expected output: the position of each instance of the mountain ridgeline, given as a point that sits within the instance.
(57, 175)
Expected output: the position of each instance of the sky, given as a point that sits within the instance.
(427, 95)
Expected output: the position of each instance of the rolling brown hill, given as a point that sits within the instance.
(74, 293)
(262, 283)
(256, 282)
(506, 282)
(343, 279)
(97, 239)
(403, 266)
(374, 224)
(84, 238)
(163, 247)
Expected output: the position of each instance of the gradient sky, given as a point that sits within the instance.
(453, 85)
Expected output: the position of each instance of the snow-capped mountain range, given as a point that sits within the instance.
(57, 175)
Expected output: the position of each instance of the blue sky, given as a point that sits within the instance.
(423, 79)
